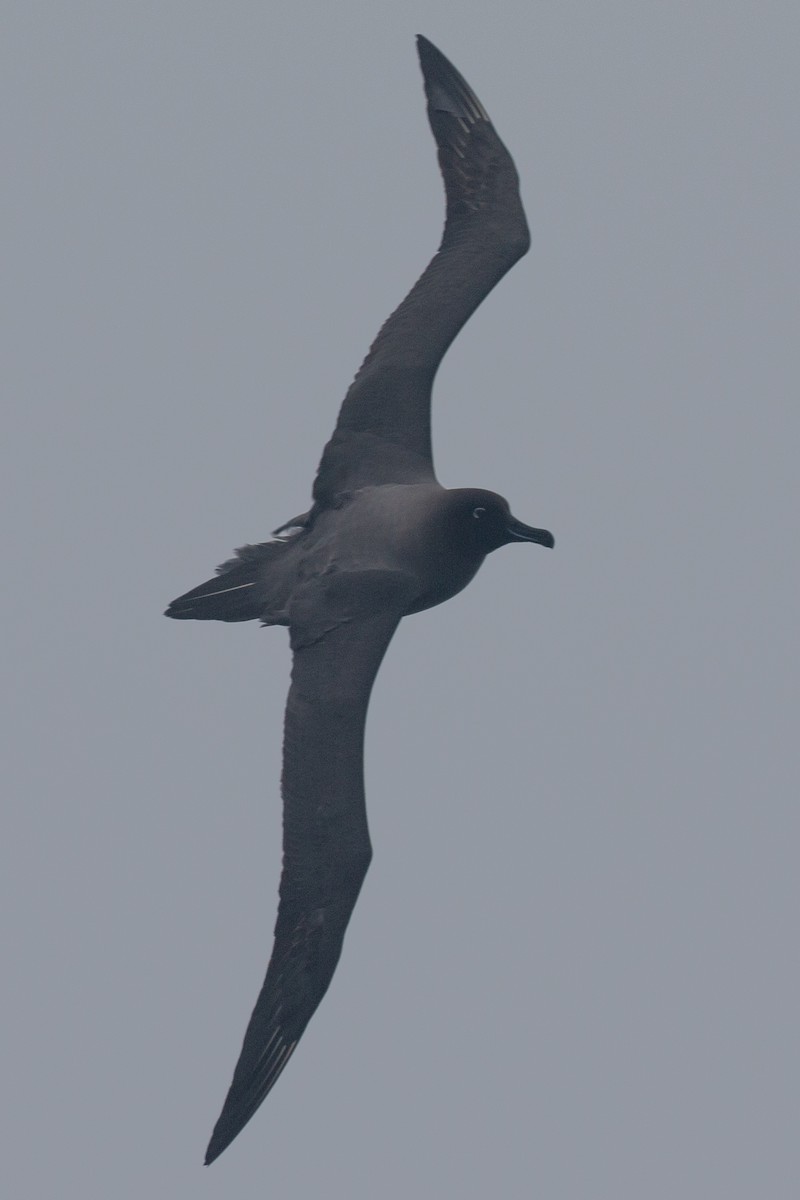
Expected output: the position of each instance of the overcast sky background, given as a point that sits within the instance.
(573, 972)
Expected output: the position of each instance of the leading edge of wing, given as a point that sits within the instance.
(339, 640)
(383, 433)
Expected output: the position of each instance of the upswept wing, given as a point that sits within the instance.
(383, 433)
(326, 846)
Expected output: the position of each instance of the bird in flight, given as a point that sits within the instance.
(382, 539)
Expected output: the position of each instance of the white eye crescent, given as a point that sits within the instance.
(478, 513)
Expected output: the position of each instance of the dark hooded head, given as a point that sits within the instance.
(469, 523)
(482, 522)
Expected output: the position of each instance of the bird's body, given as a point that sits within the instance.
(383, 539)
(402, 528)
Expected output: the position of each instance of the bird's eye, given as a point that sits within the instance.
(478, 513)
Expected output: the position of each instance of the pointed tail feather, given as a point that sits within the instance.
(240, 591)
(230, 597)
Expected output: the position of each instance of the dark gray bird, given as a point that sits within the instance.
(383, 539)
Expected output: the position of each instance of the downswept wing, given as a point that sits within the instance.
(383, 434)
(326, 846)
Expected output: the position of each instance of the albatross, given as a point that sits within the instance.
(382, 539)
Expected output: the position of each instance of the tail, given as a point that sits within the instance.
(238, 592)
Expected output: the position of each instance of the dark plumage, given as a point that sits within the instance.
(383, 539)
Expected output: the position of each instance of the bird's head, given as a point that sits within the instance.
(482, 522)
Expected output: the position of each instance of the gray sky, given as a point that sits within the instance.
(573, 969)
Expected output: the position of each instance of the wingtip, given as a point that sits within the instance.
(446, 88)
(428, 53)
(219, 1142)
